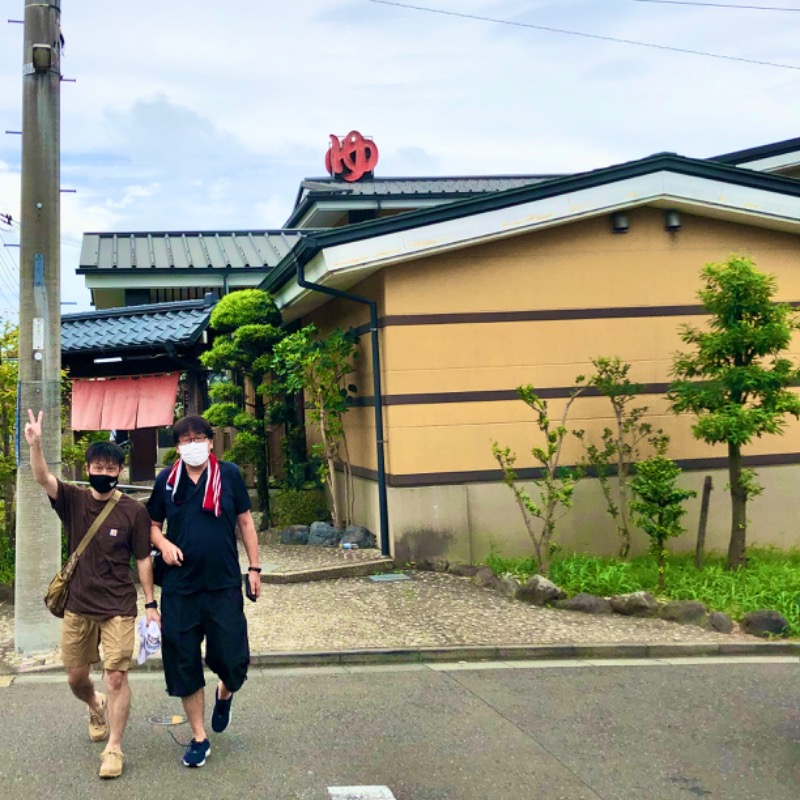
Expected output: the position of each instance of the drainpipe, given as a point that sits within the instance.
(376, 389)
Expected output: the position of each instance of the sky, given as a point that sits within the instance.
(206, 116)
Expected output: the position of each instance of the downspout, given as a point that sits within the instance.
(376, 388)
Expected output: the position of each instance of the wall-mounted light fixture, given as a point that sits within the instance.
(672, 220)
(620, 223)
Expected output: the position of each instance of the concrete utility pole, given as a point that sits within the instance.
(38, 529)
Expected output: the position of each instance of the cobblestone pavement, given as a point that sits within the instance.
(429, 609)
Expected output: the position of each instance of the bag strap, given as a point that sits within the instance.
(95, 526)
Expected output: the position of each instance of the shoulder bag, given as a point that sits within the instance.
(58, 590)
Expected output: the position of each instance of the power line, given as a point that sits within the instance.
(719, 5)
(585, 35)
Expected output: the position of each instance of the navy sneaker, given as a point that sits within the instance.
(197, 753)
(221, 715)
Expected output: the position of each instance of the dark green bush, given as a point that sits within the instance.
(299, 507)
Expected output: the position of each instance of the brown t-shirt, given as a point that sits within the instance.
(102, 584)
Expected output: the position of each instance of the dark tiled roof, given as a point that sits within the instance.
(134, 327)
(763, 151)
(255, 250)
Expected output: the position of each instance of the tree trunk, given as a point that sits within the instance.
(738, 541)
(333, 480)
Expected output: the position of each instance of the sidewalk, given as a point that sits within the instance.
(420, 615)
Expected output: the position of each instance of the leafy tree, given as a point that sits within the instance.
(318, 367)
(658, 506)
(247, 325)
(620, 447)
(736, 382)
(8, 403)
(556, 485)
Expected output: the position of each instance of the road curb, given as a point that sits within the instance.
(410, 655)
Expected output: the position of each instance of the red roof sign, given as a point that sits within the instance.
(352, 157)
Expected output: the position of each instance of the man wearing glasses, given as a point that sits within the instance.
(202, 501)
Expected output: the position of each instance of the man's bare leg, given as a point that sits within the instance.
(119, 704)
(195, 707)
(80, 681)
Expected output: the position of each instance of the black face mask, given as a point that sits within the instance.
(102, 484)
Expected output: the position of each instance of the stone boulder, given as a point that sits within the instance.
(510, 586)
(540, 591)
(687, 612)
(586, 604)
(719, 622)
(324, 534)
(635, 604)
(434, 564)
(765, 623)
(294, 534)
(463, 570)
(486, 578)
(358, 535)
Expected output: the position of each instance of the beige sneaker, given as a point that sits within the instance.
(98, 720)
(111, 762)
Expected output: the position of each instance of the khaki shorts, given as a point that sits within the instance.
(81, 637)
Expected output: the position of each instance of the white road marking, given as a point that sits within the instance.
(360, 793)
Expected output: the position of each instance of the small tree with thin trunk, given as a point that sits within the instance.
(658, 506)
(556, 485)
(318, 368)
(620, 446)
(736, 381)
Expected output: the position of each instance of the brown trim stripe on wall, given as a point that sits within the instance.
(492, 395)
(423, 479)
(540, 315)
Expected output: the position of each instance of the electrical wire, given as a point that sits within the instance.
(586, 35)
(719, 5)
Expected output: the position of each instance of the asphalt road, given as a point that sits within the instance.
(643, 730)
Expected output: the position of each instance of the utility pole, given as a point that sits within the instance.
(38, 546)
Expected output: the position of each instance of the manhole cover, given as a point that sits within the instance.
(390, 576)
(168, 719)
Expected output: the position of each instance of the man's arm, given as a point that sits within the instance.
(170, 552)
(144, 566)
(41, 472)
(250, 542)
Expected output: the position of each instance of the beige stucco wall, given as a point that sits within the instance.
(579, 266)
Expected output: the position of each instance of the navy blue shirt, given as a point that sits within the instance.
(208, 543)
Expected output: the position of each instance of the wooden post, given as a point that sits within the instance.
(701, 528)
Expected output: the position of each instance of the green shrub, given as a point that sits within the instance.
(299, 507)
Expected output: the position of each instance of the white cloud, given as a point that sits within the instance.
(200, 115)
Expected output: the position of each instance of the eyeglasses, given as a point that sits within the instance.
(189, 439)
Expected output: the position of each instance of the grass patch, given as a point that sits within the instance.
(771, 580)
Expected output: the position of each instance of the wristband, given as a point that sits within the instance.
(254, 569)
(151, 604)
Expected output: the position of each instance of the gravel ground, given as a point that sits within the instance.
(430, 609)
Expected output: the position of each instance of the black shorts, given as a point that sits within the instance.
(185, 620)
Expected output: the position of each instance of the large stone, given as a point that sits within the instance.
(434, 564)
(687, 612)
(510, 586)
(323, 533)
(294, 534)
(485, 577)
(586, 604)
(358, 535)
(765, 623)
(719, 622)
(463, 570)
(635, 604)
(540, 591)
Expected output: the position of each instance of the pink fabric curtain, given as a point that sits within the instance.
(120, 404)
(157, 396)
(124, 403)
(87, 404)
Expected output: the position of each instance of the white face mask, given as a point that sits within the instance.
(195, 454)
